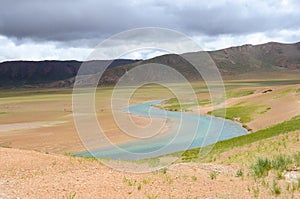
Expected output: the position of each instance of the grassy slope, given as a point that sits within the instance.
(222, 146)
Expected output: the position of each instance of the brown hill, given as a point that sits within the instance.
(255, 60)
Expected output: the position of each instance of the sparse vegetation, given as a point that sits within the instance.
(152, 196)
(280, 163)
(276, 188)
(168, 179)
(256, 191)
(213, 175)
(146, 180)
(261, 167)
(194, 178)
(239, 173)
(129, 182)
(139, 187)
(70, 196)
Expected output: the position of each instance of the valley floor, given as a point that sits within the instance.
(39, 129)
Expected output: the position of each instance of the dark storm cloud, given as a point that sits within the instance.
(68, 20)
(237, 17)
(87, 19)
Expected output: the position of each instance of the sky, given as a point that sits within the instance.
(71, 29)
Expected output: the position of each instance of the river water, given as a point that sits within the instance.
(186, 131)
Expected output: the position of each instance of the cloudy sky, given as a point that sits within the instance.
(70, 29)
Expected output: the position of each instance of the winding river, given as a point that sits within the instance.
(186, 131)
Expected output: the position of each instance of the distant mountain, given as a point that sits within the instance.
(256, 61)
(20, 73)
(262, 58)
(241, 60)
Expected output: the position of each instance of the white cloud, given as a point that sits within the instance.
(225, 41)
(39, 51)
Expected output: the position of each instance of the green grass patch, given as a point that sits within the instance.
(222, 146)
(174, 105)
(172, 101)
(2, 113)
(240, 93)
(244, 113)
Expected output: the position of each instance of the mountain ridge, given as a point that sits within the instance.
(237, 60)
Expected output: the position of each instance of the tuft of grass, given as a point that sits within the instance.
(275, 188)
(296, 159)
(2, 113)
(281, 163)
(239, 173)
(152, 196)
(261, 167)
(256, 191)
(139, 187)
(213, 175)
(129, 182)
(146, 180)
(194, 178)
(70, 196)
(168, 179)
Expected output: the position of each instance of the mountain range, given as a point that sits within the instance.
(251, 60)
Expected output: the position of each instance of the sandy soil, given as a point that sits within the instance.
(29, 174)
(62, 137)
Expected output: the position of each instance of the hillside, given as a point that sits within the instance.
(265, 58)
(20, 73)
(255, 60)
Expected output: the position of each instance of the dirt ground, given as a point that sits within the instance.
(29, 174)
